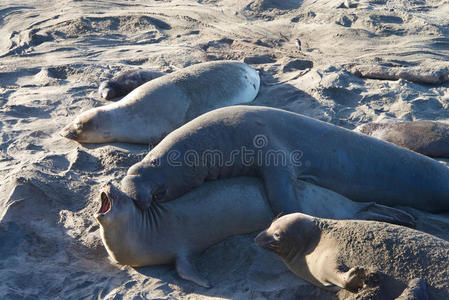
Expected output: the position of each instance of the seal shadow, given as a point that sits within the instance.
(238, 269)
(283, 95)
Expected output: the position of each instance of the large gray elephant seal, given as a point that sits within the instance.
(283, 147)
(174, 231)
(177, 230)
(124, 82)
(350, 254)
(156, 108)
(430, 138)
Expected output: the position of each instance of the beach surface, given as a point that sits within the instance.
(357, 62)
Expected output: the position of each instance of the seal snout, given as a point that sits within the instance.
(69, 132)
(105, 91)
(267, 242)
(140, 195)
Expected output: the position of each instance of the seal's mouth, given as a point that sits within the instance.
(265, 241)
(106, 204)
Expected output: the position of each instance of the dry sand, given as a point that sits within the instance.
(54, 54)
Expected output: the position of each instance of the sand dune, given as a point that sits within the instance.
(54, 54)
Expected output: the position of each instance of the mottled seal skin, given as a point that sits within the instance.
(352, 255)
(357, 166)
(124, 82)
(430, 138)
(175, 231)
(159, 106)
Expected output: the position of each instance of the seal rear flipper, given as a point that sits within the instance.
(416, 290)
(187, 270)
(377, 212)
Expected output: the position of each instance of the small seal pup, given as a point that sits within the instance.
(125, 82)
(430, 138)
(159, 106)
(175, 231)
(282, 147)
(350, 254)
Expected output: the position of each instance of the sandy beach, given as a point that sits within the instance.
(358, 62)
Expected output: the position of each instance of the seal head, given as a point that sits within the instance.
(113, 209)
(88, 126)
(107, 90)
(289, 235)
(143, 192)
(145, 183)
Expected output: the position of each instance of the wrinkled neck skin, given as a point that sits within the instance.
(136, 241)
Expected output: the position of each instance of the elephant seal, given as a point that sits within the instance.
(177, 230)
(282, 147)
(174, 231)
(430, 138)
(124, 82)
(159, 106)
(351, 255)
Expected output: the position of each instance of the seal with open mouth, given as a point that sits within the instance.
(176, 231)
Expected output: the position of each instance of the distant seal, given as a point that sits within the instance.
(352, 254)
(177, 230)
(156, 108)
(283, 147)
(124, 82)
(430, 138)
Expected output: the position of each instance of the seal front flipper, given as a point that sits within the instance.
(187, 270)
(377, 212)
(354, 278)
(280, 190)
(334, 276)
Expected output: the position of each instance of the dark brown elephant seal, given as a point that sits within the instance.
(282, 147)
(379, 259)
(430, 138)
(124, 82)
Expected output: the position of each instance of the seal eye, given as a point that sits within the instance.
(158, 194)
(154, 162)
(277, 236)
